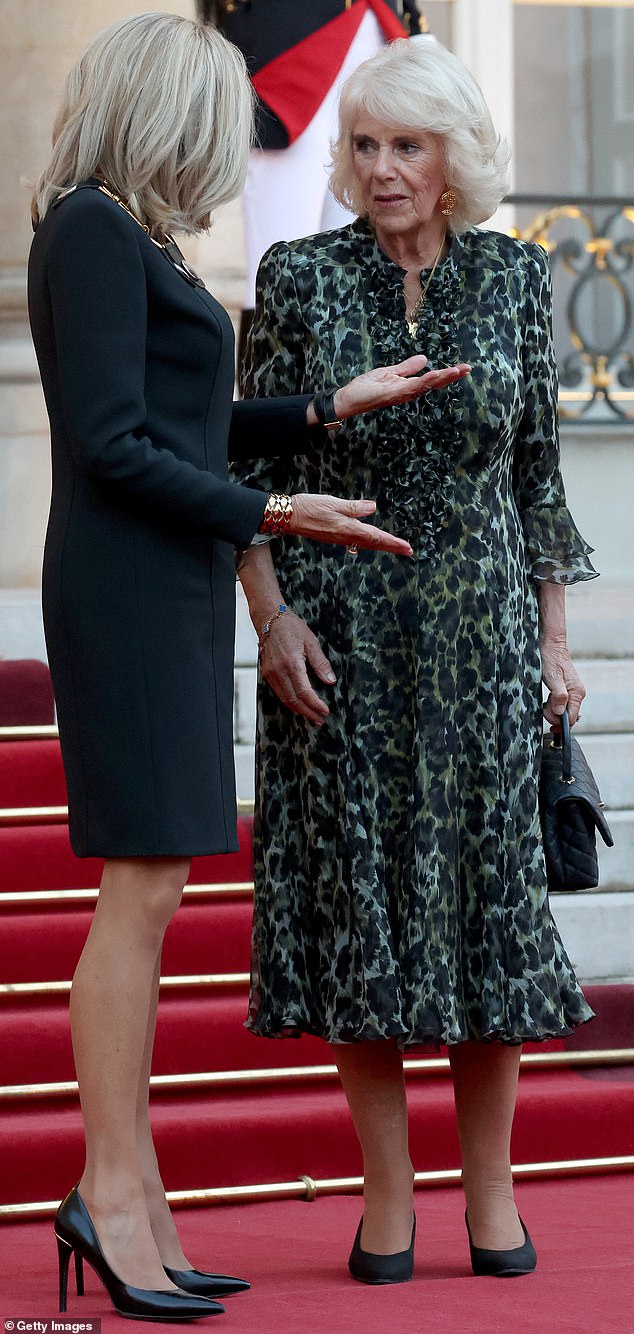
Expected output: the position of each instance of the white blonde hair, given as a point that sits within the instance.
(161, 106)
(419, 84)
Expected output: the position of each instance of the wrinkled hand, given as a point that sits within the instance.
(288, 649)
(332, 519)
(561, 679)
(394, 384)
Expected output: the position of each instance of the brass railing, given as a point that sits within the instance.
(590, 241)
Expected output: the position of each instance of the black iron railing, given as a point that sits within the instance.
(590, 241)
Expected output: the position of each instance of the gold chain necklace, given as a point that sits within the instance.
(413, 317)
(107, 189)
(168, 246)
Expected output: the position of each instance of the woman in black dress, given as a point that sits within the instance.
(136, 361)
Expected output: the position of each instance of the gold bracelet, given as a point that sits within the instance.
(277, 516)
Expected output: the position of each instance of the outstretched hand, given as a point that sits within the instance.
(387, 385)
(333, 519)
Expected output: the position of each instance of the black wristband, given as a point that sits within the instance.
(324, 409)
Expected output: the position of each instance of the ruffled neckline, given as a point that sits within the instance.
(418, 462)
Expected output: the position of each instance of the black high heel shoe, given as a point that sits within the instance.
(206, 1285)
(75, 1231)
(370, 1268)
(502, 1264)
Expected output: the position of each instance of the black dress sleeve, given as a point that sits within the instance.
(97, 286)
(271, 426)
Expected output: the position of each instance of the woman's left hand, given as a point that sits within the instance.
(394, 384)
(560, 677)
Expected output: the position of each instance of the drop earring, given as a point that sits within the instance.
(448, 201)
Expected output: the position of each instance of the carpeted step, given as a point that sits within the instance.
(202, 938)
(194, 1033)
(26, 692)
(280, 1135)
(31, 774)
(201, 1030)
(39, 857)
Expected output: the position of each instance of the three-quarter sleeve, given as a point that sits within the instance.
(100, 335)
(557, 552)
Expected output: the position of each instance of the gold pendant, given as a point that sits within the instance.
(413, 328)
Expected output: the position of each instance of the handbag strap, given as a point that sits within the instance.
(563, 742)
(566, 747)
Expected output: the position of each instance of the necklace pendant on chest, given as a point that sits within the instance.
(413, 328)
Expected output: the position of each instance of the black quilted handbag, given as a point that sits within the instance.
(571, 811)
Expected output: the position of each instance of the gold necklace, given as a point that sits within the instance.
(107, 189)
(168, 246)
(413, 317)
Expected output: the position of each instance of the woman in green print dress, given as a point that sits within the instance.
(400, 887)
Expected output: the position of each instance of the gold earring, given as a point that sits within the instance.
(448, 201)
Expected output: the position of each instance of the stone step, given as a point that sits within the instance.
(598, 933)
(609, 705)
(606, 730)
(246, 646)
(600, 617)
(616, 865)
(21, 628)
(611, 759)
(244, 760)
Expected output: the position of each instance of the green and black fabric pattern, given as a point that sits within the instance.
(400, 883)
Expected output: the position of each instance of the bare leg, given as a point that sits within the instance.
(485, 1088)
(112, 1003)
(161, 1221)
(372, 1078)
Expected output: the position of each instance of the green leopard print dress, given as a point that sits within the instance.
(399, 883)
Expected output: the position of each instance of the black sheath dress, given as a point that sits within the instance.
(139, 574)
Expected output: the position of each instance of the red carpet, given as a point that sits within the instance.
(34, 857)
(295, 1256)
(236, 1134)
(241, 1137)
(26, 693)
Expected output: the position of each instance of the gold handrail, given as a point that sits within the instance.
(18, 815)
(185, 981)
(307, 1187)
(14, 815)
(39, 732)
(430, 1066)
(31, 897)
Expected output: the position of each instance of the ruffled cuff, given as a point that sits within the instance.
(556, 550)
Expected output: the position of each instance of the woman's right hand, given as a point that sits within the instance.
(333, 519)
(285, 655)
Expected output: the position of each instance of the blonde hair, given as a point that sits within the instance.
(162, 106)
(419, 84)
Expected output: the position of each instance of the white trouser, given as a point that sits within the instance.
(286, 193)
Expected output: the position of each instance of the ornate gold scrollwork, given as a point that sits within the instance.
(591, 252)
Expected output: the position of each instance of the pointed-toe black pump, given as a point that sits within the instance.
(502, 1264)
(75, 1232)
(367, 1267)
(206, 1285)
